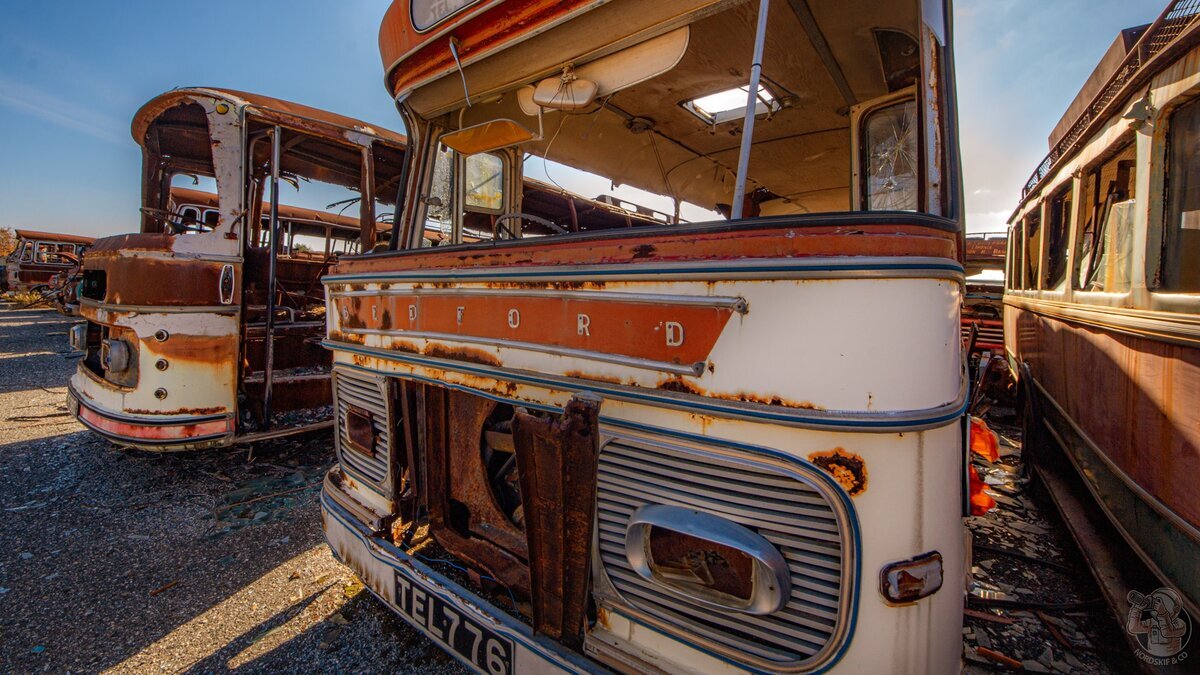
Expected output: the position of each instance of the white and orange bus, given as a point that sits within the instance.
(716, 446)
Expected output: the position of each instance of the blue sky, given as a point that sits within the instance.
(72, 74)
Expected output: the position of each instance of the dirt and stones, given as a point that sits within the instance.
(199, 562)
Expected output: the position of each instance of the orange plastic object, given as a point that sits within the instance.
(981, 503)
(984, 441)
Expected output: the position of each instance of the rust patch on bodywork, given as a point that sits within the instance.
(179, 411)
(643, 251)
(580, 375)
(461, 354)
(217, 349)
(406, 347)
(847, 468)
(681, 386)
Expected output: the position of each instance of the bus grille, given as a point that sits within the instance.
(775, 502)
(366, 392)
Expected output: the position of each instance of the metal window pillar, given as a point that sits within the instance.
(273, 243)
(760, 38)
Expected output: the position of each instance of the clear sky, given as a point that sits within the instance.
(72, 73)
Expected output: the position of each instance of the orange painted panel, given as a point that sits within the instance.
(427, 54)
(665, 332)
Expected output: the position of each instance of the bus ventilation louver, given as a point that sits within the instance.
(779, 504)
(991, 332)
(360, 392)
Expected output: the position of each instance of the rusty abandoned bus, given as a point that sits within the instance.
(204, 328)
(722, 446)
(1102, 312)
(38, 257)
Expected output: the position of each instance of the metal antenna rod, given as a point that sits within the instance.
(760, 37)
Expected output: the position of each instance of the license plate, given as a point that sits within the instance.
(452, 628)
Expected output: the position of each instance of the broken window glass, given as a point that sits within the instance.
(890, 136)
(440, 214)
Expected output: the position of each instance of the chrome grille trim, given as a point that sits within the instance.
(370, 393)
(787, 502)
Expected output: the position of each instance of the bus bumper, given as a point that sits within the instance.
(152, 432)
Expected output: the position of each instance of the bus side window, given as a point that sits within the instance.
(1033, 249)
(190, 216)
(27, 252)
(45, 253)
(1181, 243)
(1058, 229)
(1016, 278)
(1106, 236)
(483, 199)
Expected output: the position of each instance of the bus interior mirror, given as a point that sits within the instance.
(560, 93)
(488, 136)
(580, 86)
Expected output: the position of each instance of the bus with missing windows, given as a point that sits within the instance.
(732, 444)
(1102, 309)
(203, 329)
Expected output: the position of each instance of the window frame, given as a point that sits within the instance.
(1159, 231)
(1016, 238)
(863, 151)
(1094, 172)
(1065, 193)
(1028, 273)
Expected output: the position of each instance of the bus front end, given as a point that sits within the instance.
(734, 444)
(160, 347)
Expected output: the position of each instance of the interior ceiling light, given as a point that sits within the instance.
(730, 104)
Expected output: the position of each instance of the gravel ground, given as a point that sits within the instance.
(138, 562)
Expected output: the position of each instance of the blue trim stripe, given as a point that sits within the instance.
(692, 404)
(707, 268)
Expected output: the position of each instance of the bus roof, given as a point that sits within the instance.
(54, 236)
(313, 120)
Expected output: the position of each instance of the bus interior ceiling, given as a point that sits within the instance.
(647, 135)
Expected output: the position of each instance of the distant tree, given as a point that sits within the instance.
(8, 241)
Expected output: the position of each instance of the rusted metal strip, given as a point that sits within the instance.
(557, 459)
